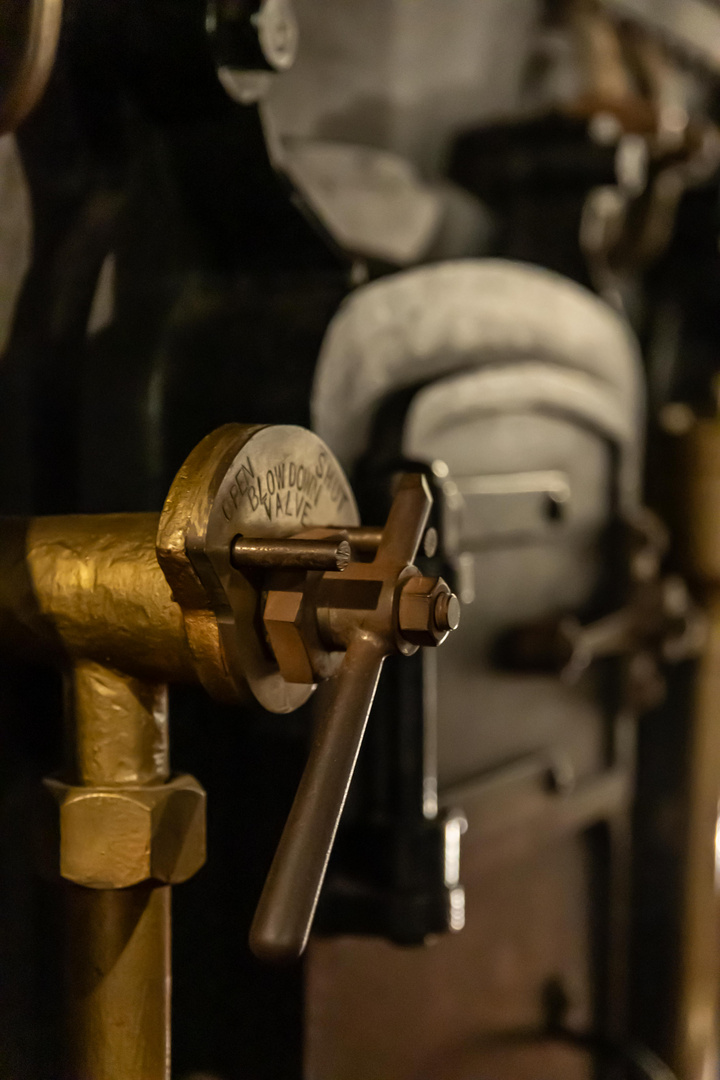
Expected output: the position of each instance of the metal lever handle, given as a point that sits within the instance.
(285, 913)
(388, 624)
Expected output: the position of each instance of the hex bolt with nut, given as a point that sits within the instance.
(428, 611)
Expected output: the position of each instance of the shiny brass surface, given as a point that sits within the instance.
(29, 32)
(111, 838)
(118, 985)
(106, 750)
(118, 962)
(90, 587)
(358, 611)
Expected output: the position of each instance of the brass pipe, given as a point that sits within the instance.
(118, 729)
(91, 586)
(695, 1038)
(118, 1026)
(118, 1023)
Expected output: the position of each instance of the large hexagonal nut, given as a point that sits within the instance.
(427, 611)
(112, 838)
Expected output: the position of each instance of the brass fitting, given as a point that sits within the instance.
(112, 838)
(427, 611)
(259, 524)
(283, 624)
(356, 617)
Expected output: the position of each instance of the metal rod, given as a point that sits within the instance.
(285, 913)
(364, 539)
(266, 554)
(118, 964)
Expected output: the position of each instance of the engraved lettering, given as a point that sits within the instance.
(243, 476)
(288, 489)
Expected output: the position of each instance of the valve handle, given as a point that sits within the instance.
(284, 916)
(285, 913)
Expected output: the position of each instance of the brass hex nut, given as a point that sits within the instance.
(427, 611)
(283, 619)
(112, 838)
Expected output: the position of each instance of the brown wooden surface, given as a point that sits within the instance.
(378, 1012)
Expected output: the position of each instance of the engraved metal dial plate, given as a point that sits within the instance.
(255, 482)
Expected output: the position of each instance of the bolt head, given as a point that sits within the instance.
(447, 612)
(283, 622)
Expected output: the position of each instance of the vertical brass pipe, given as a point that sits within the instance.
(118, 993)
(699, 986)
(696, 1034)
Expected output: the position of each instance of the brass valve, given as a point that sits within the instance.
(369, 610)
(257, 580)
(223, 544)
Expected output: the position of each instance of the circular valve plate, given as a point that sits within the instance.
(253, 482)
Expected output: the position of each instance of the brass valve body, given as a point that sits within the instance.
(89, 586)
(245, 583)
(158, 596)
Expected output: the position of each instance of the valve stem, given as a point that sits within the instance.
(293, 554)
